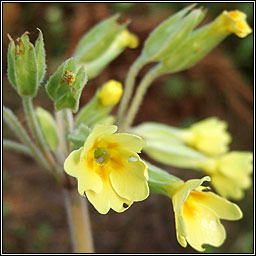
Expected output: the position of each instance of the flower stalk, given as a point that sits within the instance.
(79, 222)
(139, 95)
(128, 89)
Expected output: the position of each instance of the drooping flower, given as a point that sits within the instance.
(108, 169)
(208, 136)
(230, 173)
(198, 214)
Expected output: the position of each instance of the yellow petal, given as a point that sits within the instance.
(128, 178)
(236, 164)
(107, 199)
(183, 191)
(72, 164)
(126, 141)
(98, 131)
(181, 231)
(228, 187)
(223, 208)
(203, 226)
(209, 136)
(87, 179)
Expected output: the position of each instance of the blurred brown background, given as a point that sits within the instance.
(220, 85)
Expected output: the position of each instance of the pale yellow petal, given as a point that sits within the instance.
(182, 192)
(87, 179)
(98, 131)
(181, 232)
(203, 226)
(236, 164)
(108, 199)
(72, 164)
(127, 141)
(227, 187)
(128, 177)
(223, 208)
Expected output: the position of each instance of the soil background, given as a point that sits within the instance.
(34, 218)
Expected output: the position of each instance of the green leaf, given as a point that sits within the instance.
(48, 127)
(40, 56)
(79, 136)
(63, 94)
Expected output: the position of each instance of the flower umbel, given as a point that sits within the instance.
(230, 173)
(198, 214)
(108, 169)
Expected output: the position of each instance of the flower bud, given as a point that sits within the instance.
(110, 93)
(26, 64)
(100, 106)
(102, 44)
(202, 40)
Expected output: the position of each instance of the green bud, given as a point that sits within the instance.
(66, 84)
(102, 44)
(198, 44)
(26, 64)
(79, 136)
(170, 33)
(48, 127)
(167, 152)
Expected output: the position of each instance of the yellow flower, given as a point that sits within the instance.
(230, 173)
(208, 136)
(198, 214)
(111, 93)
(235, 22)
(108, 169)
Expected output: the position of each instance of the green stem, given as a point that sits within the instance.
(140, 92)
(36, 131)
(9, 144)
(79, 222)
(61, 130)
(128, 88)
(16, 127)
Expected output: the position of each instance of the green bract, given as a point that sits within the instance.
(66, 84)
(79, 136)
(26, 64)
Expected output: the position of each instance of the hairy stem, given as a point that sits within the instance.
(16, 127)
(18, 147)
(36, 130)
(128, 88)
(79, 222)
(139, 95)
